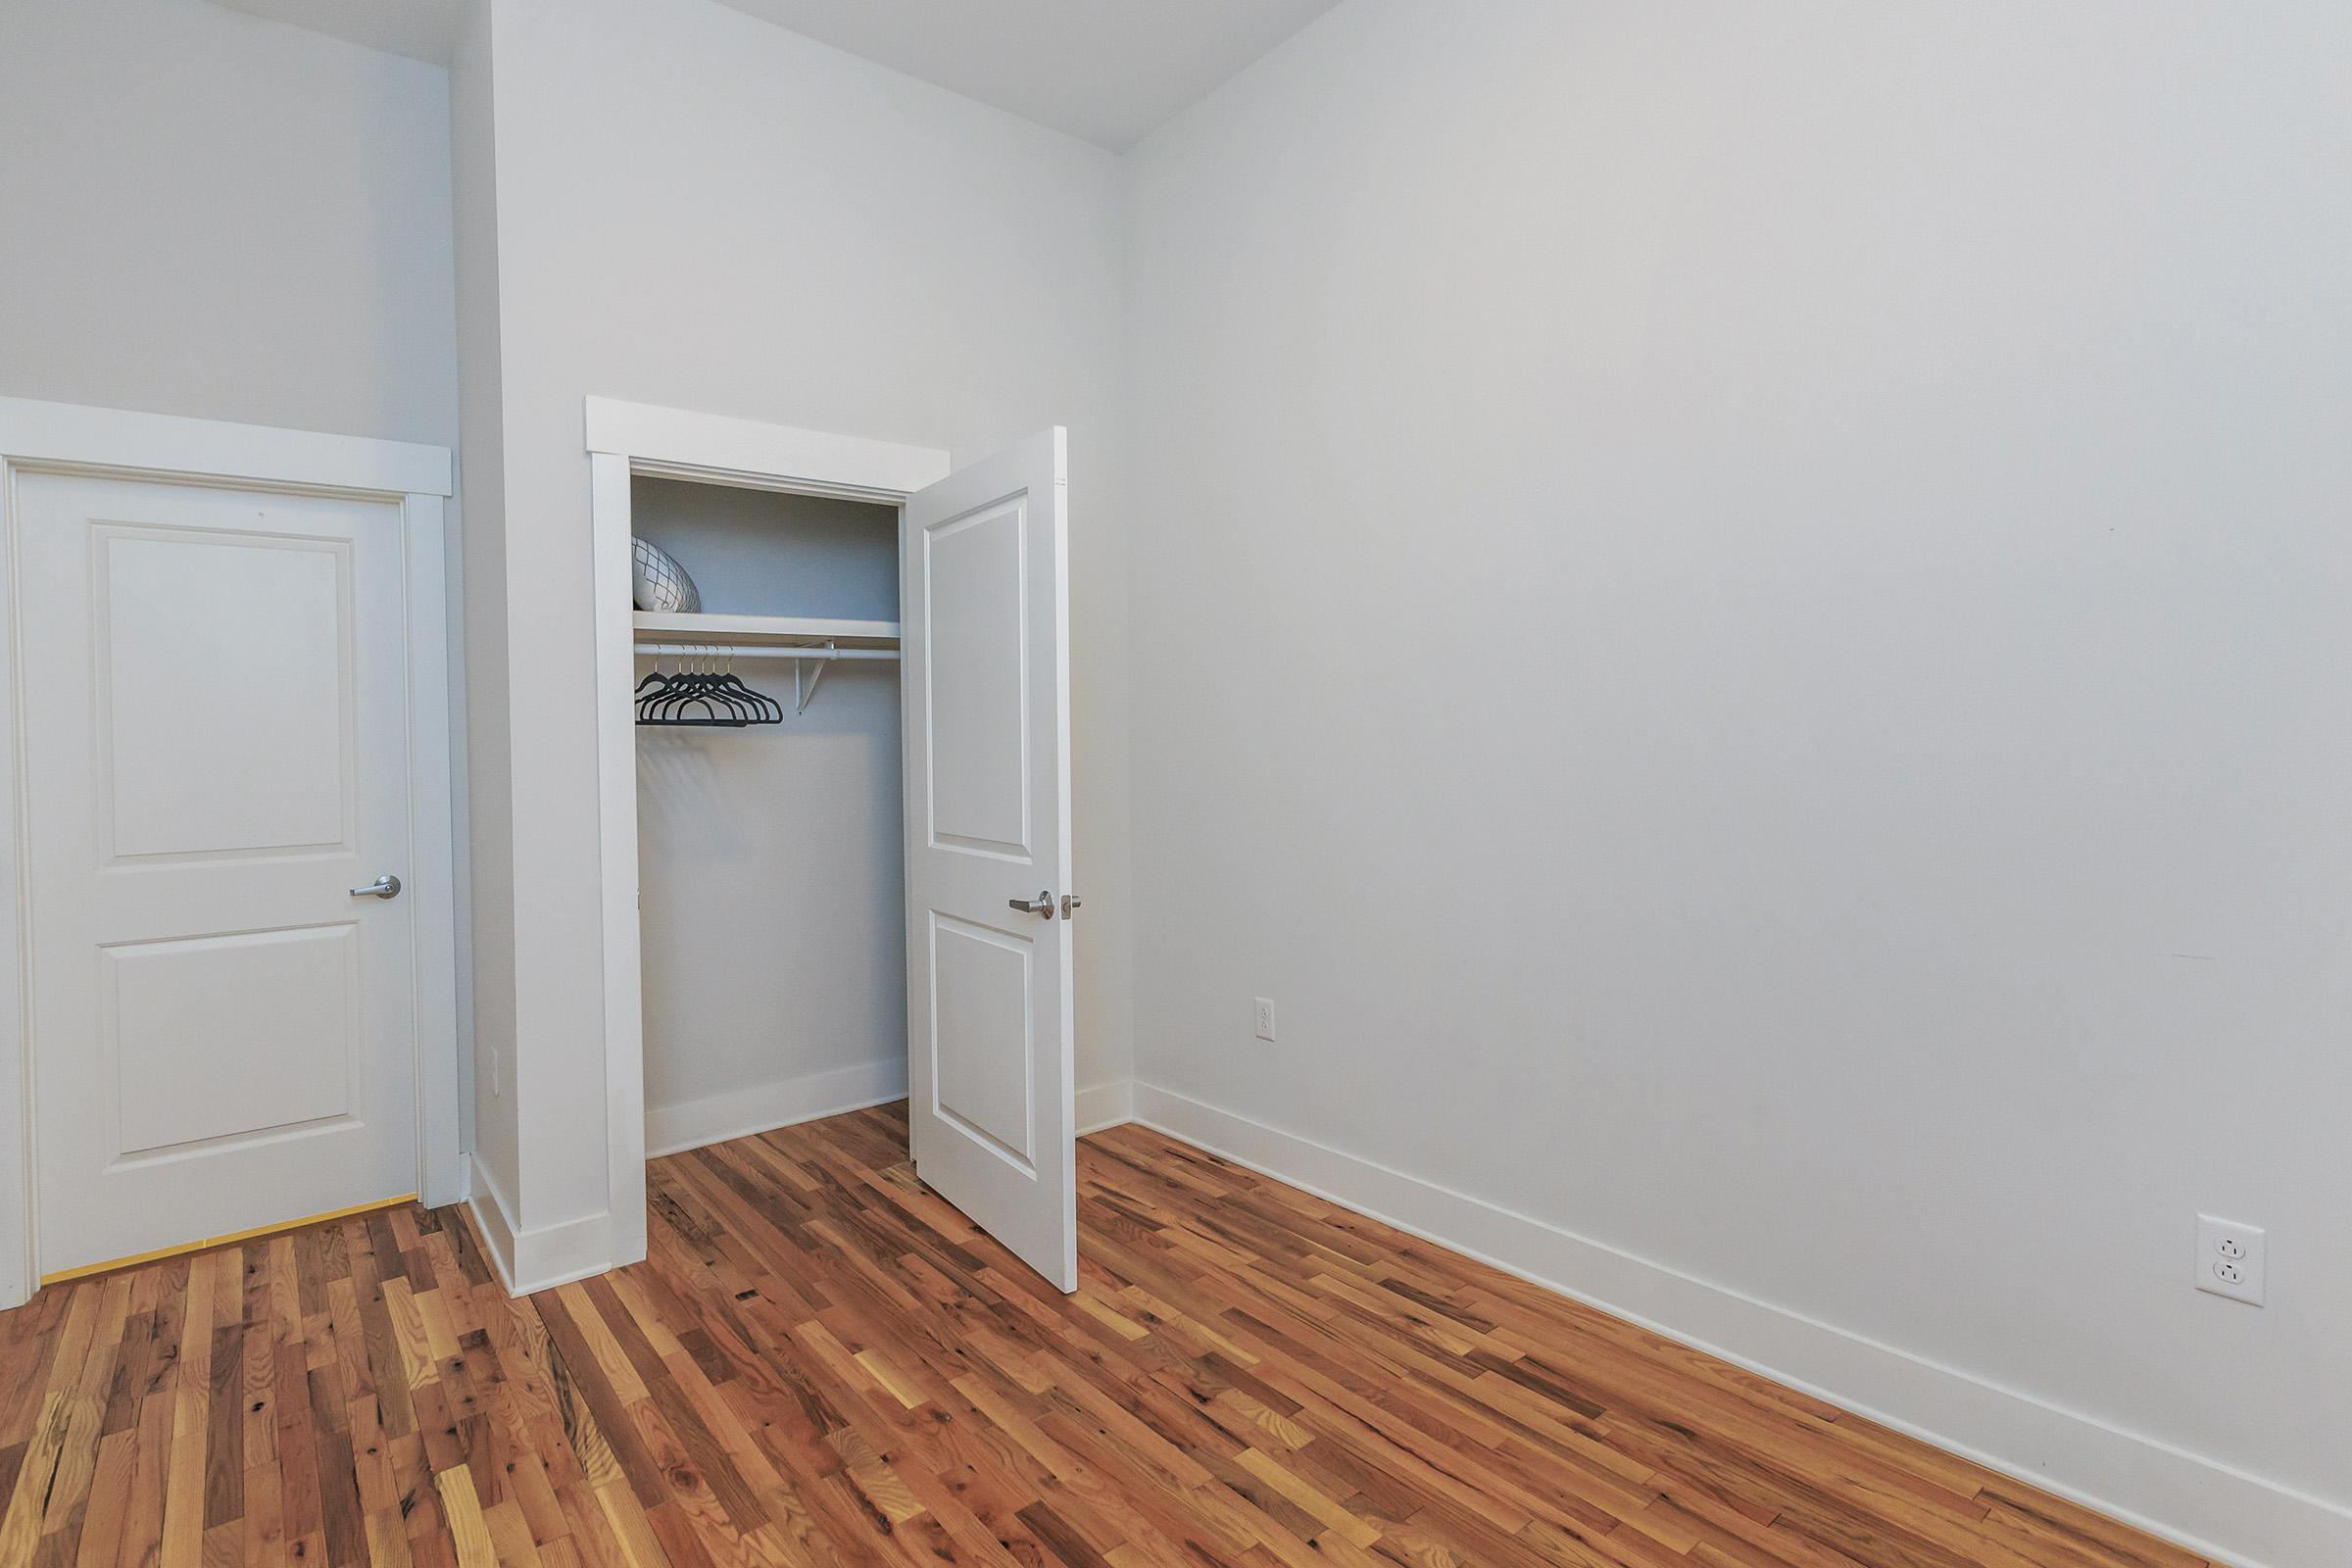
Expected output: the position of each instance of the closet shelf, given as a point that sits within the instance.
(765, 631)
(812, 643)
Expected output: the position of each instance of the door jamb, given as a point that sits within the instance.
(113, 443)
(625, 439)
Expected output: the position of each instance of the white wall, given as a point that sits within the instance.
(700, 209)
(1778, 576)
(771, 868)
(223, 218)
(489, 977)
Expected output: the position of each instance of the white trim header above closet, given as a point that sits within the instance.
(717, 448)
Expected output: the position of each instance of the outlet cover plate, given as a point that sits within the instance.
(2231, 1259)
(1265, 1020)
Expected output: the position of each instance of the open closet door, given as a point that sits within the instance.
(985, 626)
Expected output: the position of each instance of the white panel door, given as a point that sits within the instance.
(224, 1033)
(985, 620)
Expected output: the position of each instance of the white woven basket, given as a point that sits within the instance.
(663, 585)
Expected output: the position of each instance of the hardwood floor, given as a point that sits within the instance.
(823, 1363)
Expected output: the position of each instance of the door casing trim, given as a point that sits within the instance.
(622, 439)
(118, 444)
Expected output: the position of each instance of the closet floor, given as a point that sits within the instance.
(823, 1363)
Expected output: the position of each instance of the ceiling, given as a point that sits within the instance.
(1108, 70)
(422, 30)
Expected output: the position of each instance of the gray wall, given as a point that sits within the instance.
(1783, 573)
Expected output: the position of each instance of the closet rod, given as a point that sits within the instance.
(758, 651)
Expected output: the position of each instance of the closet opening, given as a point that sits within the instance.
(790, 812)
(834, 793)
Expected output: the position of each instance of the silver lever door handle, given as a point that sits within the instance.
(386, 886)
(1043, 903)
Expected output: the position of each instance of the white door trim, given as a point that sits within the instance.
(624, 439)
(117, 444)
(717, 449)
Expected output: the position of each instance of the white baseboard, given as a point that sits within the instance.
(538, 1260)
(496, 1223)
(1102, 1105)
(2207, 1506)
(528, 1260)
(672, 1129)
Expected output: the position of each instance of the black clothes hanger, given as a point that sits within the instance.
(702, 696)
(763, 709)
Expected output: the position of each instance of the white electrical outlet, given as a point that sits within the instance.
(2229, 1258)
(1265, 1019)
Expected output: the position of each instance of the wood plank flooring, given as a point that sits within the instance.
(823, 1363)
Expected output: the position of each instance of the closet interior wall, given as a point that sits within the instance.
(770, 859)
